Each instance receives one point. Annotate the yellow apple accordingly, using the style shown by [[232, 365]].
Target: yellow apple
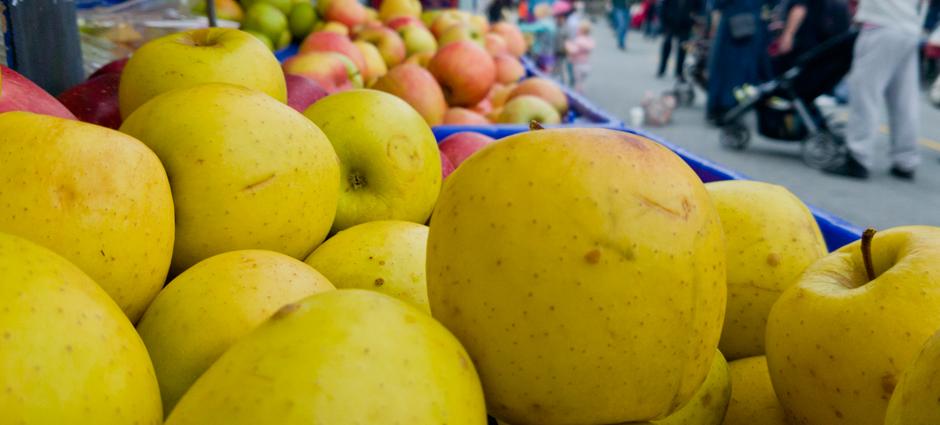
[[246, 171], [212, 305], [389, 163], [838, 340], [709, 403], [753, 400], [915, 400], [68, 355], [208, 55], [342, 357], [98, 197], [593, 298], [375, 66], [383, 256], [391, 9], [771, 239]]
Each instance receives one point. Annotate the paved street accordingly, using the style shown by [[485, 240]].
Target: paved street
[[620, 79]]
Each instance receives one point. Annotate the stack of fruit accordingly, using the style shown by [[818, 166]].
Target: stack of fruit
[[278, 22], [224, 258]]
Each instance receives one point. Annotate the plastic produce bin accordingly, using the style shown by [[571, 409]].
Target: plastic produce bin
[[835, 230]]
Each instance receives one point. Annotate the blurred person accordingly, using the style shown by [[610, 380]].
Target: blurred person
[[563, 12], [543, 31], [738, 53], [579, 50], [677, 18], [620, 12], [495, 10], [884, 72]]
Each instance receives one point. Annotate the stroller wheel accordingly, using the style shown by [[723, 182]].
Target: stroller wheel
[[735, 136], [822, 150], [685, 94]]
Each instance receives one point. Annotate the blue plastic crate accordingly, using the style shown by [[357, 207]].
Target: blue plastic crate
[[835, 230]]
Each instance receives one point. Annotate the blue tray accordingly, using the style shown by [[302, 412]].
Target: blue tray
[[835, 230]]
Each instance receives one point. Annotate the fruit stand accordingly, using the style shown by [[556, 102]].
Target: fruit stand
[[218, 230]]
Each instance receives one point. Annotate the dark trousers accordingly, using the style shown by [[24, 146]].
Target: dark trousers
[[680, 38]]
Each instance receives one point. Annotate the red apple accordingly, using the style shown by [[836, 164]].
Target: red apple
[[513, 37], [113, 67], [544, 88], [303, 92], [447, 167], [421, 59], [333, 71], [509, 70], [416, 86], [333, 42], [400, 22], [459, 146], [96, 100], [388, 42], [495, 44], [466, 72], [463, 116], [347, 12], [17, 93]]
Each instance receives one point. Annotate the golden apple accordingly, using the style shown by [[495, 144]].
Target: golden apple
[[68, 355], [771, 239], [375, 66], [915, 400], [98, 197], [709, 403], [753, 400], [214, 304], [574, 302], [383, 256], [391, 9], [342, 357], [190, 58], [246, 171], [838, 340], [389, 163]]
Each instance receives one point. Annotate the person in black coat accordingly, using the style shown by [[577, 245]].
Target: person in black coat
[[677, 18]]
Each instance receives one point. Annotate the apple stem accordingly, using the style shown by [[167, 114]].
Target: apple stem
[[867, 236], [535, 125]]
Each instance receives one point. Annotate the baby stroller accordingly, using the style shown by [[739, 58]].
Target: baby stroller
[[695, 70], [785, 106]]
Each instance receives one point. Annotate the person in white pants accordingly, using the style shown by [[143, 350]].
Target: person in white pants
[[884, 72]]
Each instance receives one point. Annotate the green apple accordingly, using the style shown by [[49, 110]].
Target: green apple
[[283, 5], [246, 171], [209, 55], [301, 20], [417, 40], [263, 38], [771, 239], [709, 403], [284, 41], [341, 357], [527, 108], [839, 339], [266, 19], [209, 307], [753, 400], [69, 355], [573, 301], [96, 196], [389, 161], [915, 400], [383, 256]]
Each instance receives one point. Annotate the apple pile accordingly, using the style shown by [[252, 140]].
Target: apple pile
[[450, 65], [225, 256]]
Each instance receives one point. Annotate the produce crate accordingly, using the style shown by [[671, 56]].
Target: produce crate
[[581, 111], [835, 230]]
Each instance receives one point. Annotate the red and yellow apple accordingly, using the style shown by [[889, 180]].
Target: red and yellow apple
[[388, 42], [17, 93], [513, 37], [416, 86], [463, 116], [527, 108], [334, 71], [466, 72], [509, 70], [332, 42], [303, 92], [459, 146], [544, 88], [495, 44]]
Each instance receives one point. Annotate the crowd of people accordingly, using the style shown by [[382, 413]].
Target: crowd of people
[[751, 41]]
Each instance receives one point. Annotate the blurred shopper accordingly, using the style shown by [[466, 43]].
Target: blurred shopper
[[738, 54], [543, 31], [884, 72], [495, 10], [677, 17], [563, 12], [620, 12], [579, 50]]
